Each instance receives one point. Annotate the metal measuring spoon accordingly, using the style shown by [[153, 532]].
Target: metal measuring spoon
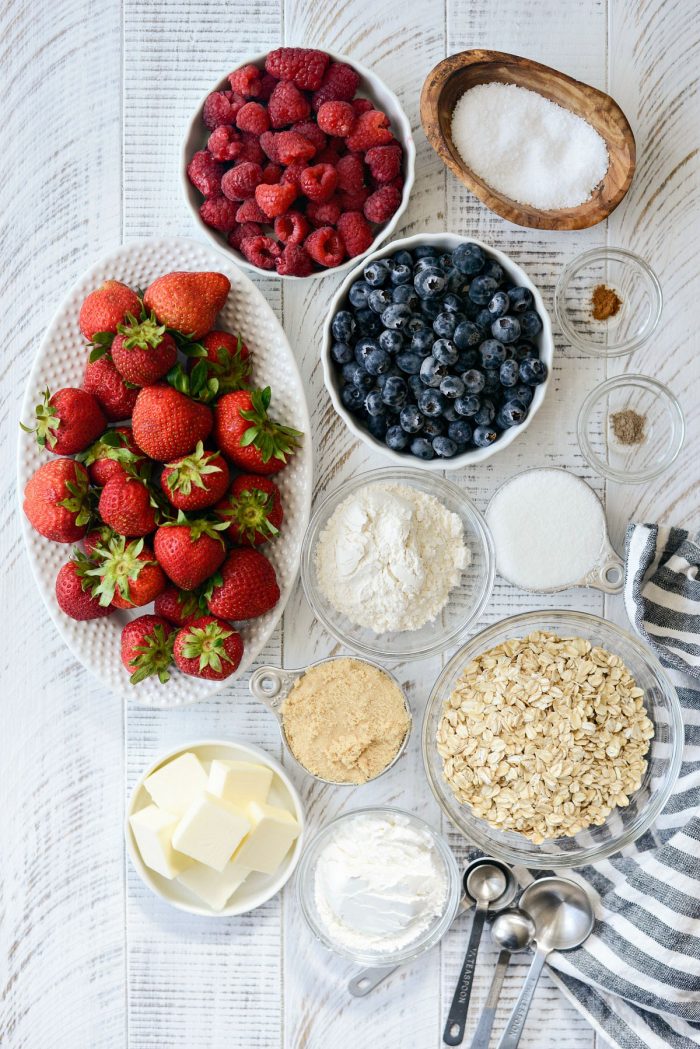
[[513, 931], [563, 917], [486, 884]]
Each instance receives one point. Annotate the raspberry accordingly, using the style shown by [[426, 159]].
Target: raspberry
[[351, 172], [326, 213], [292, 227], [205, 174], [245, 231], [336, 118], [261, 251], [353, 201], [293, 146], [328, 155], [356, 233], [247, 81], [220, 107], [339, 84], [275, 200], [304, 65], [325, 246], [251, 149], [382, 204], [268, 143], [239, 183], [397, 183], [294, 262], [319, 182], [287, 105], [311, 132], [249, 211], [371, 129], [253, 117], [272, 173], [361, 105], [219, 213], [292, 174], [224, 143], [384, 162], [267, 86]]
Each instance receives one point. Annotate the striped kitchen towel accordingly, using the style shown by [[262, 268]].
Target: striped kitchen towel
[[637, 978]]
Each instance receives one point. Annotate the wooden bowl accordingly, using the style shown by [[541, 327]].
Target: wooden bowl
[[448, 81]]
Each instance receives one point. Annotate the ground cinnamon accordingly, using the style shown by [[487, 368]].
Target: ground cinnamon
[[628, 426], [606, 302]]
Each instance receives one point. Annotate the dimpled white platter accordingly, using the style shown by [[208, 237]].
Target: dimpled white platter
[[60, 361]]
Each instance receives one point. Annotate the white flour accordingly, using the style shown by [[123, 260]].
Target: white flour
[[389, 556]]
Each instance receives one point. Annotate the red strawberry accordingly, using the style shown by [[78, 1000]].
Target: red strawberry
[[67, 422], [126, 572], [167, 424], [147, 648], [102, 535], [107, 386], [56, 501], [188, 302], [113, 454], [106, 307], [126, 505], [245, 433], [74, 590], [190, 551], [196, 481], [208, 648], [180, 607], [248, 587], [228, 359], [253, 509], [143, 351]]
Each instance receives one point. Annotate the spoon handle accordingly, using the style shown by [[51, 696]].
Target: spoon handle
[[457, 1016], [482, 1035], [516, 1023]]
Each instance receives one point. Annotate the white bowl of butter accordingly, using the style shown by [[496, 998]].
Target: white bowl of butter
[[215, 828]]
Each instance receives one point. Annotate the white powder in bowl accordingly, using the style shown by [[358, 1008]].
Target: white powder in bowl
[[528, 147], [548, 528]]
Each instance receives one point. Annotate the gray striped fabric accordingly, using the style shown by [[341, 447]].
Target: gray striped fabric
[[637, 978]]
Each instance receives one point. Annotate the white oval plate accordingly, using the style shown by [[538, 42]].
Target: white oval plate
[[60, 361]]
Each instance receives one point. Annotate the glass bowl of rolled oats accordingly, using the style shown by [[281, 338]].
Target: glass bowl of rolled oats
[[552, 738]]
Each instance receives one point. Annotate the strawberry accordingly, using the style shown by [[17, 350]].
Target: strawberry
[[227, 359], [143, 351], [247, 435], [196, 481], [167, 424], [74, 590], [126, 572], [127, 506], [180, 607], [147, 648], [208, 648], [107, 386], [248, 586], [106, 307], [114, 454], [253, 508], [57, 502], [68, 421], [99, 536], [188, 302], [190, 551]]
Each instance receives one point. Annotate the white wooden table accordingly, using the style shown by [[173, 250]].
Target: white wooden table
[[96, 97]]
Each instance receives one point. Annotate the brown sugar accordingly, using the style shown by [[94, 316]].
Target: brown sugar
[[605, 302], [628, 426]]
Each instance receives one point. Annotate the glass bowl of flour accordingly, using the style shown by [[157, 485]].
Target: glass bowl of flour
[[397, 564]]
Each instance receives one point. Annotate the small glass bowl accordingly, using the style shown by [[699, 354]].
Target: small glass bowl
[[664, 429], [636, 285], [465, 603], [306, 893], [624, 825]]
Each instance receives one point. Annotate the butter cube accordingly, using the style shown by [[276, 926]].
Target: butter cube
[[268, 843], [215, 888], [175, 785], [239, 782], [210, 831], [153, 829]]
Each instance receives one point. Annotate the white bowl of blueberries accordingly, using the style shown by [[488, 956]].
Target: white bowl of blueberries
[[437, 350]]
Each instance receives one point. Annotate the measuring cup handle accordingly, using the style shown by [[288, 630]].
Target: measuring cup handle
[[516, 1023], [610, 575], [270, 685]]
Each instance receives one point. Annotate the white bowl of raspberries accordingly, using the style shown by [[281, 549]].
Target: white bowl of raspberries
[[298, 163]]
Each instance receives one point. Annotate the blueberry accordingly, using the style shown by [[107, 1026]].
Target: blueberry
[[411, 419], [468, 258], [467, 406], [533, 371], [509, 373], [422, 448], [363, 348], [520, 299], [483, 321], [445, 351], [391, 341], [523, 349], [406, 294], [374, 403], [530, 324], [429, 283], [368, 322], [460, 432], [377, 426], [379, 299], [376, 273], [482, 289], [458, 286], [416, 323], [394, 392], [431, 402], [424, 251], [522, 393], [428, 263], [467, 359], [396, 316], [486, 413], [432, 372], [433, 426], [360, 378], [444, 447], [492, 353], [452, 386], [401, 274], [467, 335], [352, 397], [444, 325], [348, 370], [396, 438], [498, 306], [493, 270], [452, 303], [445, 260], [422, 341], [492, 382], [449, 414], [430, 308], [342, 353], [474, 380], [403, 258], [383, 379], [483, 436], [512, 413], [409, 363], [358, 294], [377, 361], [343, 326], [506, 329]]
